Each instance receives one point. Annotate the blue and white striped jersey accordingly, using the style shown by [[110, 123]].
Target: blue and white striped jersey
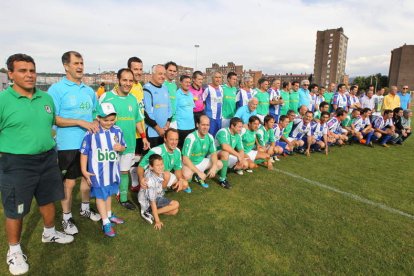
[[278, 132], [300, 130], [380, 123], [361, 123], [274, 95], [319, 130], [214, 101], [243, 97], [340, 100], [102, 158]]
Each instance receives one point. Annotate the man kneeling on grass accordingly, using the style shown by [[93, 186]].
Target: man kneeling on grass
[[152, 200], [231, 152], [249, 143]]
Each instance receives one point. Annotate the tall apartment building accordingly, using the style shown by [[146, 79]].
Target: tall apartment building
[[402, 67], [330, 56]]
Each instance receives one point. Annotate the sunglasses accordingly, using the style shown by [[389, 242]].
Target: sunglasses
[[405, 87]]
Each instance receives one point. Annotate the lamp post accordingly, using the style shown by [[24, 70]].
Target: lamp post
[[196, 46]]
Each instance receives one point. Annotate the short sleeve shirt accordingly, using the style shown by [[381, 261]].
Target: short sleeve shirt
[[197, 148], [224, 136], [171, 160]]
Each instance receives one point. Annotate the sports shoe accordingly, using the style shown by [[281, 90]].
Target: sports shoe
[[135, 189], [275, 158], [200, 181], [58, 237], [385, 145], [69, 227], [108, 230], [146, 215], [91, 214], [249, 170], [225, 184], [115, 219], [17, 263], [188, 190], [128, 205], [239, 172], [370, 144]]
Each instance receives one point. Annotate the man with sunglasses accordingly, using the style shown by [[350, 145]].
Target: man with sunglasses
[[304, 95], [405, 97]]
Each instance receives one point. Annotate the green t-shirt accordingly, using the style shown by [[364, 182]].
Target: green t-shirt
[[264, 136], [263, 106], [286, 102], [317, 114], [229, 101], [294, 101], [172, 92], [224, 136], [348, 121], [171, 160], [26, 124], [287, 130], [328, 98], [197, 148], [128, 114], [248, 139]]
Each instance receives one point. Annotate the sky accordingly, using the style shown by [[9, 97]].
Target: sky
[[272, 36]]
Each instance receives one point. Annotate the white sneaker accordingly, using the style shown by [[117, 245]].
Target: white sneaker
[[91, 213], [17, 263], [275, 158], [69, 227], [239, 172], [58, 237], [249, 170], [147, 216]]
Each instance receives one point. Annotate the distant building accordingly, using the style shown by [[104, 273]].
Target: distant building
[[256, 75], [4, 82], [231, 67], [330, 56], [402, 67], [289, 77]]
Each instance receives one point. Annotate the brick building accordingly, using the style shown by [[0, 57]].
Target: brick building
[[402, 67], [330, 56], [224, 69]]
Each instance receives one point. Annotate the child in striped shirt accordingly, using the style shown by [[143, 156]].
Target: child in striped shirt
[[99, 164]]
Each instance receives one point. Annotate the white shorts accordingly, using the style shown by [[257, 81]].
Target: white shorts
[[225, 122], [252, 154], [291, 139], [126, 161], [173, 179], [174, 125], [204, 165], [232, 159]]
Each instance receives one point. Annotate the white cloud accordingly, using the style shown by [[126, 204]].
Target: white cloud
[[273, 36]]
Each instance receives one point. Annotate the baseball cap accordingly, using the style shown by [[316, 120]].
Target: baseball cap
[[105, 109]]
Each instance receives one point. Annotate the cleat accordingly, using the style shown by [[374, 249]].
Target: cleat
[[108, 230], [225, 184], [147, 217], [91, 214], [115, 219]]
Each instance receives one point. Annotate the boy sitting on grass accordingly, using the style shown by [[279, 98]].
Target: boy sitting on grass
[[152, 199], [99, 164]]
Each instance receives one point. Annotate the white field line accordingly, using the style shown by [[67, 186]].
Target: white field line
[[350, 195]]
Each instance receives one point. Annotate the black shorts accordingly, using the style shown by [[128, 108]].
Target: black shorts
[[23, 177], [182, 134], [139, 147], [69, 164]]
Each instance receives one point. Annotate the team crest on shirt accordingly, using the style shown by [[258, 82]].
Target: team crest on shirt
[[130, 108], [48, 109]]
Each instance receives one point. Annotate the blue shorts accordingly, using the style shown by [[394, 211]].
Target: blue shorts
[[104, 192], [281, 144], [161, 202], [215, 126]]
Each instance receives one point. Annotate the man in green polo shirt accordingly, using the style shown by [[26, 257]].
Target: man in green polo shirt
[[285, 95], [200, 154], [229, 99], [171, 156], [264, 99], [28, 166], [294, 97]]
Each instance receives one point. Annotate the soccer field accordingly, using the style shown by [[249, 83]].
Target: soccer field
[[351, 212]]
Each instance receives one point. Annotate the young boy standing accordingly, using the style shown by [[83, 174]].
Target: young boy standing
[[152, 199], [99, 164]]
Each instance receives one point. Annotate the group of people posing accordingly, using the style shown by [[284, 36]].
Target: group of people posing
[[160, 135]]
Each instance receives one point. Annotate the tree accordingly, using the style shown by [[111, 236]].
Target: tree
[[377, 79]]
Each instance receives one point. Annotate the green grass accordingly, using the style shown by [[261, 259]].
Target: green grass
[[269, 223]]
